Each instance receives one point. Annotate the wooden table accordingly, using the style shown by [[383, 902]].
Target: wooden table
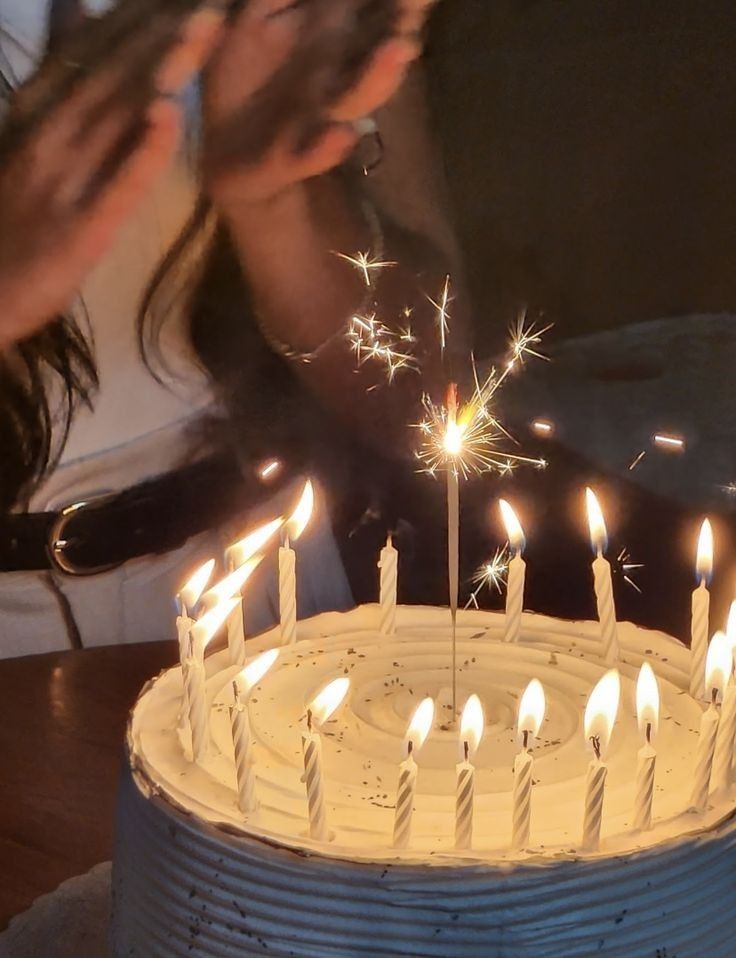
[[62, 718]]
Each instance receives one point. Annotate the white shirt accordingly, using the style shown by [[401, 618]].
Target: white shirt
[[137, 429]]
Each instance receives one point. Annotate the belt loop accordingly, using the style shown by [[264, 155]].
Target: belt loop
[[67, 613]]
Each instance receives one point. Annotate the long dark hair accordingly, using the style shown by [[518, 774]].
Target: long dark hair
[[264, 409], [43, 379]]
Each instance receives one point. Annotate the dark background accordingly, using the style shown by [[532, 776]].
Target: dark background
[[589, 148]]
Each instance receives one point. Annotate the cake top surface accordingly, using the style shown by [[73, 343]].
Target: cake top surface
[[363, 743]]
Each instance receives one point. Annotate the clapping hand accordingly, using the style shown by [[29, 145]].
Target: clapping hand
[[70, 178], [262, 45]]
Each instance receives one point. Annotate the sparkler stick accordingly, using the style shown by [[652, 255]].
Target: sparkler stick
[[453, 528]]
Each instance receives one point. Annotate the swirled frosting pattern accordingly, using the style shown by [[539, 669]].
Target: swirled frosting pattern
[[193, 876]]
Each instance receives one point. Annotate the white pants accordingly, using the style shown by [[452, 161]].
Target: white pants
[[135, 603]]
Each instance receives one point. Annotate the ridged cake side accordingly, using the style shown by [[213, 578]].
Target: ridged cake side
[[183, 889]]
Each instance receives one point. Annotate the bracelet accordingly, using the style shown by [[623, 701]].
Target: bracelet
[[377, 253]]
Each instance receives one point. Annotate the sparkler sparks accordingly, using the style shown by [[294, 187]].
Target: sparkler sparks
[[468, 439], [524, 342], [443, 313], [491, 575], [366, 264], [625, 567], [372, 339]]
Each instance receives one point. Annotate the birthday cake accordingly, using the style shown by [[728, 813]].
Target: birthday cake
[[196, 875]]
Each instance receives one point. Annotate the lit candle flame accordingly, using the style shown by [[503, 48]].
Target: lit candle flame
[[647, 701], [232, 584], [596, 523], [472, 725], [252, 674], [239, 552], [718, 665], [195, 586], [531, 709], [420, 726], [300, 517], [514, 530], [208, 625], [326, 702], [601, 710], [704, 562]]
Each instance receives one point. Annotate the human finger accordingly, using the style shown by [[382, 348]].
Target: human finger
[[130, 76], [127, 186], [380, 80], [330, 150], [199, 38], [413, 14], [258, 42]]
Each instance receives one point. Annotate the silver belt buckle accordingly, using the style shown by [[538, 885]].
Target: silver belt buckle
[[57, 543]]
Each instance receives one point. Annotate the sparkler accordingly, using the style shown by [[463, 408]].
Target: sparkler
[[625, 567], [366, 264], [491, 575], [474, 433], [371, 339], [443, 314], [466, 439], [524, 341]]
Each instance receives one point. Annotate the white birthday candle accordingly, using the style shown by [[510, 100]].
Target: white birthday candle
[[320, 710], [199, 637], [416, 735], [647, 711], [389, 566], [237, 555], [516, 573], [600, 715], [602, 580], [472, 726], [699, 629], [287, 564], [718, 664], [726, 738], [245, 770], [531, 714]]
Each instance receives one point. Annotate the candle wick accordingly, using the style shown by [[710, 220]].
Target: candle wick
[[309, 719], [649, 733], [714, 696], [526, 738], [287, 542], [596, 742], [389, 540], [467, 750], [409, 747]]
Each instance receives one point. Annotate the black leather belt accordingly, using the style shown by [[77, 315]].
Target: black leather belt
[[102, 532]]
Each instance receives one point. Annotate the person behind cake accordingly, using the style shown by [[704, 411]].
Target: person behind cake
[[82, 415]]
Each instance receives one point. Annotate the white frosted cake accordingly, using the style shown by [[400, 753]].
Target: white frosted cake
[[194, 876]]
